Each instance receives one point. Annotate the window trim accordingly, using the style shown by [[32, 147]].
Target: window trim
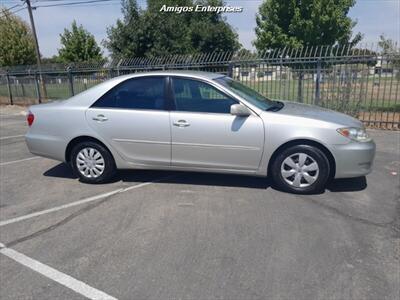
[[165, 95], [173, 99]]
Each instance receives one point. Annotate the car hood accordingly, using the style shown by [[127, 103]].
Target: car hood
[[318, 113]]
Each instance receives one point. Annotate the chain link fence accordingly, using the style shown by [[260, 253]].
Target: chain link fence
[[361, 82]]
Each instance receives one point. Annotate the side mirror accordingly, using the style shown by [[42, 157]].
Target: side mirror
[[240, 110]]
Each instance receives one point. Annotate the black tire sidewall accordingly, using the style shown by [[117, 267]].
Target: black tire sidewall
[[317, 155], [109, 170]]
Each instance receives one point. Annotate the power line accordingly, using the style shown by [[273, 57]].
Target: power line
[[10, 8], [73, 3], [69, 1], [93, 5], [86, 3], [11, 12]]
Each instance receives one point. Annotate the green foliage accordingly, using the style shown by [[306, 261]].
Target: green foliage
[[388, 46], [246, 54], [149, 33], [50, 60], [17, 46], [297, 23], [78, 45]]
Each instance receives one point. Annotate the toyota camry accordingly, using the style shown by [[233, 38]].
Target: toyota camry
[[198, 121]]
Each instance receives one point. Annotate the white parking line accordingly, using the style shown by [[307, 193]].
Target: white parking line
[[11, 123], [79, 202], [57, 276], [11, 136], [22, 113], [17, 161]]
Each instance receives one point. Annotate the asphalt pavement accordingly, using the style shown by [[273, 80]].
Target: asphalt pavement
[[180, 235]]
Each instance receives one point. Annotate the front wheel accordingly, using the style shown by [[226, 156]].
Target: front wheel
[[92, 163], [301, 169]]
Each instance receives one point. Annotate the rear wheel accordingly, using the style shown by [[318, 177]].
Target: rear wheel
[[92, 162], [301, 169]]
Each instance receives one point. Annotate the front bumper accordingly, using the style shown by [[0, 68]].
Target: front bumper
[[353, 159]]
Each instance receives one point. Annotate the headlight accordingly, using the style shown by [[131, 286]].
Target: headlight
[[355, 134]]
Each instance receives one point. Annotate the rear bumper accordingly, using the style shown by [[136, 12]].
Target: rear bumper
[[46, 146], [354, 159]]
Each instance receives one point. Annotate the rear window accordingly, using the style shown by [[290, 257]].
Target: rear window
[[135, 93]]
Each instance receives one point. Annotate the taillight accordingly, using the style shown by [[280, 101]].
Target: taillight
[[30, 118]]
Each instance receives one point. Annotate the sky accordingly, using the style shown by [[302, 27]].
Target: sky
[[374, 17]]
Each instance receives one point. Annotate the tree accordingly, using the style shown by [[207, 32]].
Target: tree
[[50, 60], [122, 41], [392, 53], [17, 46], [210, 32], [299, 23], [151, 32], [78, 45], [388, 46]]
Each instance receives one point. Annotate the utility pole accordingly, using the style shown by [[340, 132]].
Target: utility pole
[[39, 62]]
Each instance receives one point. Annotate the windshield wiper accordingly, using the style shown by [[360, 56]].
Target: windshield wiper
[[276, 106]]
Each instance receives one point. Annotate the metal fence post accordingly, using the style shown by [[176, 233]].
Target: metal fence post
[[118, 66], [9, 89], [318, 83], [23, 89], [71, 81], [230, 70], [38, 88], [300, 86]]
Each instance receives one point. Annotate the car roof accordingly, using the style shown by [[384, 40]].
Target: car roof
[[184, 73]]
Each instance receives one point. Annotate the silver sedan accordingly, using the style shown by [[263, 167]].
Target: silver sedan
[[198, 121]]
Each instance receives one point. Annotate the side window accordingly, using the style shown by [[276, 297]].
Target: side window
[[136, 93], [196, 96]]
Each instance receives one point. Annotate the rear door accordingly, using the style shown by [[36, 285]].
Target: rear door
[[206, 135], [133, 118]]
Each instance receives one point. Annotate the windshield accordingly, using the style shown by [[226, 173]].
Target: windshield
[[246, 93]]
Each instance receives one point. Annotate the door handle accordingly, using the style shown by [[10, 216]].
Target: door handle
[[100, 118], [181, 123]]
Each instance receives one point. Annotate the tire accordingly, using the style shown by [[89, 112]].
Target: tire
[[301, 169], [92, 162]]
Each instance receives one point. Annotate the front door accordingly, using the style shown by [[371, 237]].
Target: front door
[[133, 118], [204, 133]]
